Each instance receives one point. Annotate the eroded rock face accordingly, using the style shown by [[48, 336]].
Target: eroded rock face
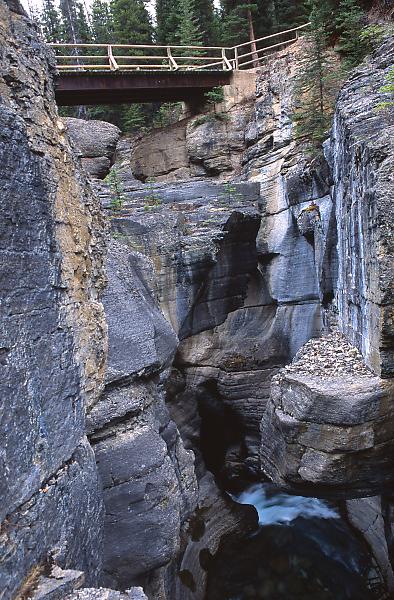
[[329, 432], [209, 145], [53, 333], [95, 143], [328, 425], [148, 476], [362, 156]]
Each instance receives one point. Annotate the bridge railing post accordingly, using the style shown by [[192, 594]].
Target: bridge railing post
[[236, 59], [113, 65], [226, 63], [173, 64]]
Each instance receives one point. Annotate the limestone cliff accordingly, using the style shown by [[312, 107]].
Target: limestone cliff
[[53, 332], [361, 157], [216, 281]]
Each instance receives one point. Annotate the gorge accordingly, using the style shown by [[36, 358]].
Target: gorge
[[181, 340]]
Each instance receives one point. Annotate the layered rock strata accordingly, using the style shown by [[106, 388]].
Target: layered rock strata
[[148, 478], [53, 333], [328, 429], [362, 157]]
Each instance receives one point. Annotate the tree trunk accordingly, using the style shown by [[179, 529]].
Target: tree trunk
[[253, 48]]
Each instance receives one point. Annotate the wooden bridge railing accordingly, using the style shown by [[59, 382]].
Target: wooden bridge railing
[[140, 57]]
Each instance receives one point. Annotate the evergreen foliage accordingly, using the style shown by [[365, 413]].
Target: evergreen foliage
[[349, 25], [167, 12], [286, 14], [188, 32], [319, 81], [51, 22], [102, 26], [131, 22]]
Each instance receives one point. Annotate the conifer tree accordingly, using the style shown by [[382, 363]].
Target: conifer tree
[[101, 22], [131, 22], [167, 16], [74, 21], [50, 22], [349, 23], [188, 32], [319, 81], [206, 19], [286, 14]]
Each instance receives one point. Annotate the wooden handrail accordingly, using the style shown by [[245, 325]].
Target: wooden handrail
[[268, 37], [228, 58]]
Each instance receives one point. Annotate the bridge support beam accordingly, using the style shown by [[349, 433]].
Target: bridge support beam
[[85, 87]]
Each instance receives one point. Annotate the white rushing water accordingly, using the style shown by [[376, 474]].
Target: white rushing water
[[277, 507]]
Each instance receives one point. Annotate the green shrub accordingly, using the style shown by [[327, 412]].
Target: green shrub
[[215, 95], [116, 188]]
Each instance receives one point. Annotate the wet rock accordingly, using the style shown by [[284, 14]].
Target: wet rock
[[106, 594], [363, 161], [373, 519]]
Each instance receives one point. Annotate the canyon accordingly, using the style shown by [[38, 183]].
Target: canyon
[[176, 328]]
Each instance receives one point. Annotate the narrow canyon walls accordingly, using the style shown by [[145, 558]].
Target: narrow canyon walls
[[362, 157], [52, 329]]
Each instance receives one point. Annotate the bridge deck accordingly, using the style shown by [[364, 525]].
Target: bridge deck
[[117, 87], [124, 73]]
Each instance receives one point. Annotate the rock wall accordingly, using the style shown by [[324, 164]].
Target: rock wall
[[362, 159], [148, 477], [53, 333], [327, 429], [210, 144]]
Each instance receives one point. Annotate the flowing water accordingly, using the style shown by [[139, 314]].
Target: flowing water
[[302, 550], [274, 507]]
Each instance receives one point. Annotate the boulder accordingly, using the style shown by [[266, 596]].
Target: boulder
[[95, 143]]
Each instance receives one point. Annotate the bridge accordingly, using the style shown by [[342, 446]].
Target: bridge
[[127, 73]]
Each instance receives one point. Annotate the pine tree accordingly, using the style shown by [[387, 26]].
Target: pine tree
[[167, 17], [82, 24], [50, 22], [206, 19], [188, 32], [352, 47], [131, 22], [68, 10], [286, 14], [101, 22], [319, 81]]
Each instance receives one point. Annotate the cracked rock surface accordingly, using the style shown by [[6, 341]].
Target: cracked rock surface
[[52, 327]]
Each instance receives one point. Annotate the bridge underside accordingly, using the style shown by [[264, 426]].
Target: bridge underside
[[72, 89]]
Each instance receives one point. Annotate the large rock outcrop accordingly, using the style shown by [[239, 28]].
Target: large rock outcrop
[[362, 157], [330, 431], [53, 332], [148, 476], [210, 144], [328, 428]]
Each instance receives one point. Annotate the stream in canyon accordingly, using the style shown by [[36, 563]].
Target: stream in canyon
[[303, 549]]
